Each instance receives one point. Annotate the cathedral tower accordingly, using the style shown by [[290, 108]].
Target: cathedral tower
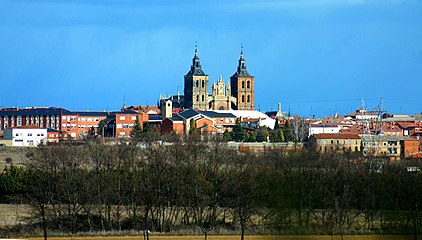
[[242, 86], [196, 85]]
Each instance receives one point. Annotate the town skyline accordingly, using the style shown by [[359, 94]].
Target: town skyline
[[315, 57]]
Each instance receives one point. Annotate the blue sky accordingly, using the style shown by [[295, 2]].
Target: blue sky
[[315, 56]]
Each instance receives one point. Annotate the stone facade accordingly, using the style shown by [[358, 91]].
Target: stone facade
[[221, 98]]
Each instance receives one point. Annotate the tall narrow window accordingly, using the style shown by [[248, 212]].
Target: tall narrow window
[[203, 83], [203, 98], [248, 84], [196, 83], [249, 98], [197, 97], [243, 98], [243, 84]]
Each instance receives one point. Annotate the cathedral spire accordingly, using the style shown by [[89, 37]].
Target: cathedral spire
[[196, 68], [241, 68]]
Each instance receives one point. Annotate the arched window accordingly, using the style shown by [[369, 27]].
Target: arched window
[[249, 98], [203, 83], [203, 98], [248, 84], [197, 97], [243, 84], [243, 98], [196, 83]]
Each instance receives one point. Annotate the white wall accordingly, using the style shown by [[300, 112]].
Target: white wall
[[26, 137], [323, 129]]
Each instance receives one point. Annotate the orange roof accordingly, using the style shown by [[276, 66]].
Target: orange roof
[[336, 136]]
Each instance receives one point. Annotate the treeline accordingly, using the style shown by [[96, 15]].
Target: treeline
[[206, 186]]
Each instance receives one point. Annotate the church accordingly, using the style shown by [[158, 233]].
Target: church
[[238, 94]]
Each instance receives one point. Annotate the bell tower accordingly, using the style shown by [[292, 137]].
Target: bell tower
[[196, 85], [242, 86]]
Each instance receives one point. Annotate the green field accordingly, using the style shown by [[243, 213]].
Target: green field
[[307, 237]]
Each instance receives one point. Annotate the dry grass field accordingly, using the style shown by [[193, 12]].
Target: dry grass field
[[13, 214], [16, 154], [236, 237]]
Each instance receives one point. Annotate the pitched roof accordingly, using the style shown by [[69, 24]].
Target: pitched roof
[[34, 111], [189, 113], [336, 136], [91, 114], [213, 114]]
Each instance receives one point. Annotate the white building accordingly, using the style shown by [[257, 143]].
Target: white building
[[323, 128], [253, 115], [25, 136]]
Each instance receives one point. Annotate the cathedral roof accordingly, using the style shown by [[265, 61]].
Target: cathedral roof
[[196, 68], [241, 68]]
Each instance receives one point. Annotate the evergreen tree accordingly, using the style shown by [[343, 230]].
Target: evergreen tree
[[287, 132], [226, 136], [136, 133], [276, 125], [280, 136], [238, 134], [192, 127], [252, 137], [101, 127]]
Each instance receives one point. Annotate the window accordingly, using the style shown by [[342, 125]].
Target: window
[[243, 98], [203, 98], [248, 84], [197, 97], [203, 83], [134, 118], [243, 84], [196, 83], [29, 134], [122, 118], [249, 98]]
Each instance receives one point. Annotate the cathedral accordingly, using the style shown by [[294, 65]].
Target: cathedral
[[236, 95]]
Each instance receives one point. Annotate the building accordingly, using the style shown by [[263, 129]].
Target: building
[[221, 98], [89, 121], [26, 136], [392, 147], [319, 128], [196, 85], [238, 94], [242, 86], [173, 125], [325, 142]]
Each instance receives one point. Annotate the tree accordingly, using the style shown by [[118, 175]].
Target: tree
[[192, 127], [280, 135], [276, 125], [136, 133], [299, 129], [226, 136], [238, 135], [287, 132], [101, 126]]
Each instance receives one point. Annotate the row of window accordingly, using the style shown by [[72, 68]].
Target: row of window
[[248, 98], [248, 84], [338, 141], [30, 134], [197, 98], [197, 82]]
